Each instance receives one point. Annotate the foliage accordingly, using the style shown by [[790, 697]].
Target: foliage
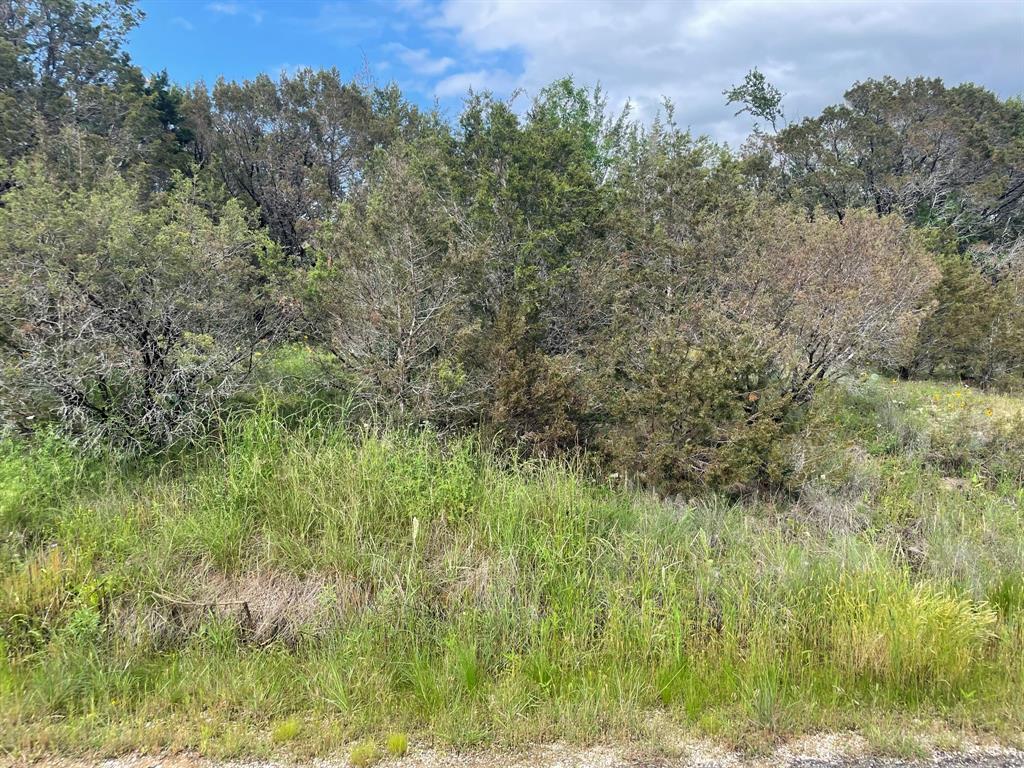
[[687, 412], [948, 159], [388, 295], [127, 323], [71, 94], [758, 96], [931, 153], [294, 146], [826, 294], [546, 423], [975, 329], [564, 278]]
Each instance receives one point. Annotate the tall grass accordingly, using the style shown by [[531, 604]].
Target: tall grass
[[379, 580]]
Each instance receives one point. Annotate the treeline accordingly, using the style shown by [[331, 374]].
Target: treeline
[[558, 276]]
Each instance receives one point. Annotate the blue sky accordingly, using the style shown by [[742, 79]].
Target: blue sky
[[641, 50], [401, 41]]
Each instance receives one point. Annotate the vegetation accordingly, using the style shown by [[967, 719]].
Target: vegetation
[[321, 417], [315, 583], [129, 325]]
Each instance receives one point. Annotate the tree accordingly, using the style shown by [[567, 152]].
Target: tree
[[930, 153], [759, 98], [975, 329], [128, 323], [387, 294], [824, 295], [532, 207], [71, 95], [728, 316], [71, 47], [17, 131], [295, 146]]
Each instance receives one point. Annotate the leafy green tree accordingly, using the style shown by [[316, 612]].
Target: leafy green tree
[[931, 153], [72, 48], [758, 97], [17, 131], [72, 95], [534, 204], [975, 328]]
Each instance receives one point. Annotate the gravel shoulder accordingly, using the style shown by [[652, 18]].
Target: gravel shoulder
[[826, 751]]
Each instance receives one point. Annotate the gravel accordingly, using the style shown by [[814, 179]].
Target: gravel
[[826, 751]]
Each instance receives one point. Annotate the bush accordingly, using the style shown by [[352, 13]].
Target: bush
[[536, 402], [127, 323], [824, 295], [707, 393], [684, 416], [387, 299], [975, 329]]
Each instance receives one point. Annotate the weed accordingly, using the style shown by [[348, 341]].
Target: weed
[[392, 581], [895, 742], [363, 755], [397, 744], [286, 730]]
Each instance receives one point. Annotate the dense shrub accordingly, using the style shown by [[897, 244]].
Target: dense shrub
[[686, 414], [974, 330], [387, 299], [825, 294], [127, 322], [707, 394]]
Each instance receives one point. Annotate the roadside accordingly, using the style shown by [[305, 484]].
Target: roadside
[[823, 751]]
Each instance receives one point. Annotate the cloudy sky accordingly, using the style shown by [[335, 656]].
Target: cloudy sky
[[642, 50]]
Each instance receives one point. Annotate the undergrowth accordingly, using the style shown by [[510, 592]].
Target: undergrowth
[[308, 584]]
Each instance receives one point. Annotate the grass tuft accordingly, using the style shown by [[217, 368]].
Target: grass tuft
[[363, 755], [286, 730], [397, 744]]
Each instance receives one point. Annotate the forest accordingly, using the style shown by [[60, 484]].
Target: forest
[[330, 422]]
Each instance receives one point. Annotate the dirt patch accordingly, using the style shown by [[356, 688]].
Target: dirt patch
[[265, 606]]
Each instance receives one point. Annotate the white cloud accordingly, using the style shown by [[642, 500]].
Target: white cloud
[[235, 9], [420, 60], [691, 51], [228, 9], [497, 80]]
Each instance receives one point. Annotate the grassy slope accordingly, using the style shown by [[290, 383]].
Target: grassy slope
[[300, 587]]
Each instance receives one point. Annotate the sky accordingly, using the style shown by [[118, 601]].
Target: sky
[[638, 50]]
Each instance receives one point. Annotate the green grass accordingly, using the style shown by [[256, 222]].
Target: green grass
[[286, 730], [397, 744], [307, 585], [363, 755]]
